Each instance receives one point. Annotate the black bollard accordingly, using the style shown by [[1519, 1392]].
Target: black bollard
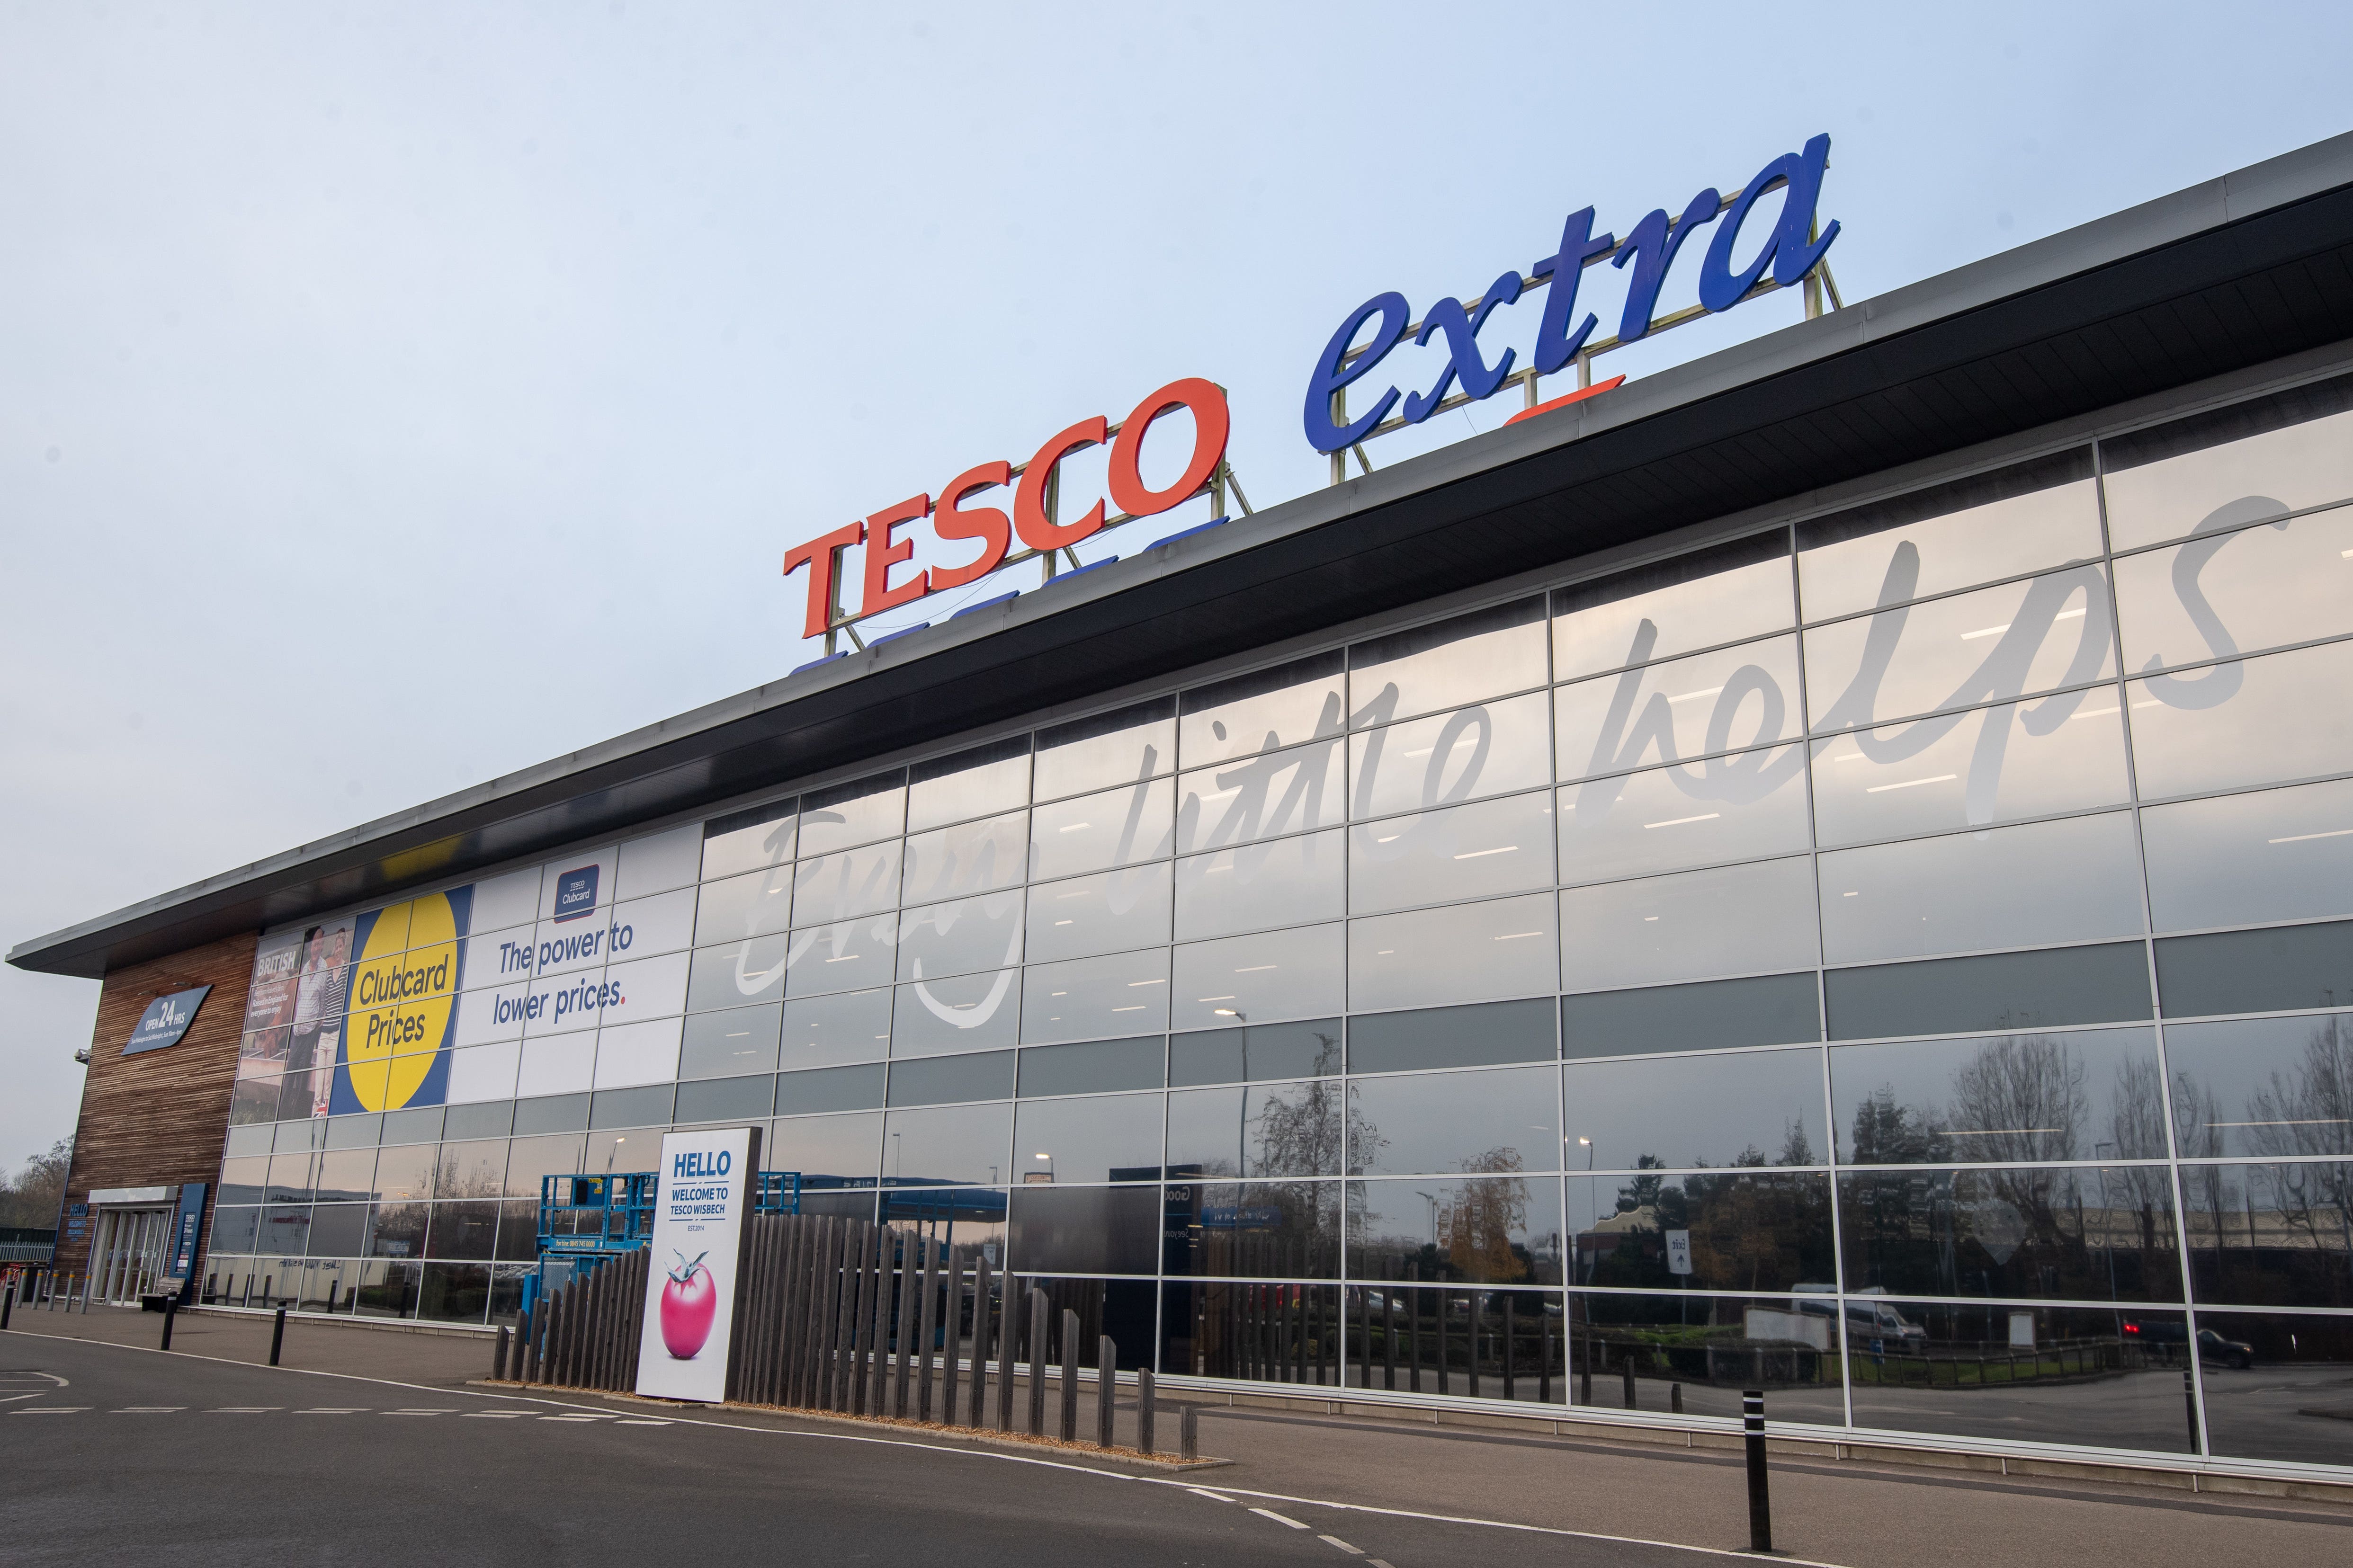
[[170, 1311], [1761, 1499], [276, 1336], [1144, 1409], [1188, 1434], [1106, 1389], [499, 1357], [7, 1305]]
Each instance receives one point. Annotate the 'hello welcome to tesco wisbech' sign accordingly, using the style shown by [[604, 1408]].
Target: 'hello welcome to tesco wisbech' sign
[[1788, 253]]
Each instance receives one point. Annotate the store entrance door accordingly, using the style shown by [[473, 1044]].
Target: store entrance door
[[131, 1246]]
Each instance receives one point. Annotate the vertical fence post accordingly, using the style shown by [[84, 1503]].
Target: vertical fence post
[[1144, 1410], [903, 1336], [861, 1316], [499, 1357], [1070, 1424], [276, 1336], [951, 1336], [1008, 1348], [1188, 1434], [978, 1399], [1037, 1311], [1106, 1389], [927, 1324], [1760, 1500]]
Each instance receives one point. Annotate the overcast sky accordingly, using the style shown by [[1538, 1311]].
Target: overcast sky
[[392, 396]]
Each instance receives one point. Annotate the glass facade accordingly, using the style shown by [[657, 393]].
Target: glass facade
[[1901, 958]]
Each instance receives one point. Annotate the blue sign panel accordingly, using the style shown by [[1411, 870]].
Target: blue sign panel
[[166, 1019], [190, 1221], [576, 893]]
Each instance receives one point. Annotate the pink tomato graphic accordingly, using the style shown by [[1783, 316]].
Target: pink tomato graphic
[[689, 1304]]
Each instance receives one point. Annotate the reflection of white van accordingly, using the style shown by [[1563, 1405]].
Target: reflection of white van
[[1865, 1320]]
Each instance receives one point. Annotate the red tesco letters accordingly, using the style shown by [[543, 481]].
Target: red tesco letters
[[991, 528]]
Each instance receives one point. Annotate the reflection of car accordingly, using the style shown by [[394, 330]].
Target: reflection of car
[[1865, 1319], [2211, 1346]]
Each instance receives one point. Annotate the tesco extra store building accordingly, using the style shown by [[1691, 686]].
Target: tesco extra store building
[[1828, 868]]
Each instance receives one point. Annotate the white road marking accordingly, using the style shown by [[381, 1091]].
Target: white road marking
[[1336, 1540], [242, 1409], [451, 1411], [1377, 1562], [640, 1421], [494, 1415], [149, 1409], [1269, 1513], [50, 1410], [12, 1399], [335, 1410], [1213, 1497], [576, 1418]]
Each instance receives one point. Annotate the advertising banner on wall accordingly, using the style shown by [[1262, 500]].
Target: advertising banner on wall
[[701, 1207]]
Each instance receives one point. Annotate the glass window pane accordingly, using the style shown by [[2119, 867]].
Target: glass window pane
[[2041, 514], [1737, 1108], [1694, 601], [1428, 669], [2095, 1095], [970, 858], [1108, 749], [1463, 952], [1261, 711], [1101, 913], [1279, 974], [852, 814], [1998, 991], [2237, 859], [2287, 968], [737, 974], [1117, 827], [1097, 1066], [1256, 1130], [529, 1161], [2257, 1365], [853, 882], [1282, 792], [747, 840], [1500, 1120], [1481, 1035], [1966, 770], [2274, 1235], [1766, 1230], [1734, 919], [818, 1031], [1290, 881], [1472, 851], [348, 1175], [830, 1089], [1745, 696], [947, 1145], [1992, 644], [1501, 1228], [828, 1151], [1494, 748], [2238, 591], [2258, 459], [1085, 1230], [848, 956], [986, 779], [966, 1013], [2267, 1087], [2101, 1376], [1096, 998], [2012, 887], [1710, 1350], [2258, 720], [1278, 1230], [475, 1170], [246, 1180], [1097, 1138], [2028, 1232], [961, 936], [726, 1098], [941, 1080], [1727, 808], [1716, 1015], [1306, 1049]]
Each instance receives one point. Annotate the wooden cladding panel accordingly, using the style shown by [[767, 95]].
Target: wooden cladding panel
[[159, 1118]]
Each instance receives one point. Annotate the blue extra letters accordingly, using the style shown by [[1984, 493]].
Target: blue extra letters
[[1791, 251]]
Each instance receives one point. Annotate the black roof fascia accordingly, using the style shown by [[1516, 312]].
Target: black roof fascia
[[2231, 273]]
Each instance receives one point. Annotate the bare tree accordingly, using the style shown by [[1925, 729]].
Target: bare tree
[[30, 1198]]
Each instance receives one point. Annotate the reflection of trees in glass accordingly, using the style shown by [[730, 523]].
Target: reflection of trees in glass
[[2308, 1109], [2137, 1125], [1751, 1228], [1889, 1134], [1476, 1225], [2018, 1100], [1303, 1129], [2314, 1209]]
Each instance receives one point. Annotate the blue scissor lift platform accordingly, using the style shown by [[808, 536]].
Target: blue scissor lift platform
[[585, 1221]]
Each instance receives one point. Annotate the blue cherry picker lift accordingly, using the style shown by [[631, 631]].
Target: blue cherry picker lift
[[585, 1221]]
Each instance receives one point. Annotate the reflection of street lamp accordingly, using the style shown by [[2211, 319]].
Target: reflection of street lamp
[[1588, 1152], [1433, 1216], [609, 1153], [1036, 1177]]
